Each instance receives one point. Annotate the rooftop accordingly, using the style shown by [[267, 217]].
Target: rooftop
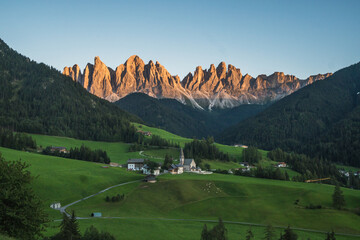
[[136, 160]]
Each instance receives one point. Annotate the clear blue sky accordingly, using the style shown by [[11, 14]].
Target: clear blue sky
[[295, 37]]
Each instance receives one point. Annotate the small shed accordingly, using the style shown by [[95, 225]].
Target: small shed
[[150, 179], [96, 214]]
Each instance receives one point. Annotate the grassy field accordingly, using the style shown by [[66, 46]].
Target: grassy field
[[235, 152], [348, 168], [117, 151], [176, 230], [67, 180], [221, 165], [187, 196], [234, 198]]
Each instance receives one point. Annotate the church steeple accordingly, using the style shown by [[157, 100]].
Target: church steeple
[[182, 158]]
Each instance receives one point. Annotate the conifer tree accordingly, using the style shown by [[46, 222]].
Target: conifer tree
[[269, 232], [338, 198]]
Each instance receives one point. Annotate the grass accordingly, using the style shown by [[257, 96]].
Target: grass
[[235, 152], [234, 198], [175, 230], [164, 134], [117, 151], [221, 165], [186, 196], [67, 180], [348, 168]]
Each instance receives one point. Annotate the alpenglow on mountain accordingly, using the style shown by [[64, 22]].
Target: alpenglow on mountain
[[222, 86]]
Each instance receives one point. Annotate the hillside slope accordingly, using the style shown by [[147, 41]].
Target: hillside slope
[[184, 120], [320, 119], [36, 98]]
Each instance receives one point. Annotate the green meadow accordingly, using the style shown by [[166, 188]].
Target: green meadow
[[177, 230], [67, 180], [233, 198], [235, 152], [190, 197]]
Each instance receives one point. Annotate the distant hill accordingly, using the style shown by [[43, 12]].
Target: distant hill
[[321, 119], [184, 120], [36, 98]]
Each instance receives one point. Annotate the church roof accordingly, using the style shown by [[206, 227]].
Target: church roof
[[188, 161]]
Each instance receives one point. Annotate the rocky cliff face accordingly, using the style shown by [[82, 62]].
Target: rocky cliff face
[[223, 86]]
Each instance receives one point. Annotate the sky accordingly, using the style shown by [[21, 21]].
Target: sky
[[301, 38]]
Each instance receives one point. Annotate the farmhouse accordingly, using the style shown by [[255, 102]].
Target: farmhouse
[[113, 164], [150, 178], [58, 149], [145, 133], [240, 145], [189, 165], [147, 171], [280, 164], [176, 169], [244, 164], [55, 205], [135, 164]]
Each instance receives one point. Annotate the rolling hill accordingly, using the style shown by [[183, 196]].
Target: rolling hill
[[321, 119]]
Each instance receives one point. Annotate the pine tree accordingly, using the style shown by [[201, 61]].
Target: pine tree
[[289, 234], [21, 212], [219, 232], [269, 232], [338, 198], [330, 236], [69, 228], [205, 233], [249, 234]]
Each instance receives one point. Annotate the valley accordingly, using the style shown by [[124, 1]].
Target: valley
[[185, 201]]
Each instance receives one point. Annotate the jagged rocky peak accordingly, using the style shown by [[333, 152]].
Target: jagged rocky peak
[[221, 86], [74, 72]]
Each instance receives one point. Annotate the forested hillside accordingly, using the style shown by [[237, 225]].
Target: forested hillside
[[185, 120], [322, 119], [36, 98]]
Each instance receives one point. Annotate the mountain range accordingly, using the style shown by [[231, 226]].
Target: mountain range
[[217, 87]]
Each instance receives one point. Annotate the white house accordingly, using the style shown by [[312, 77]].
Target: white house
[[280, 164], [147, 171], [56, 205], [135, 164]]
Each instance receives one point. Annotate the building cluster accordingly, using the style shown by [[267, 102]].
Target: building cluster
[[58, 149], [184, 165], [240, 145], [145, 133]]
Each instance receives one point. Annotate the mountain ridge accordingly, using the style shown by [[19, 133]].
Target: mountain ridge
[[221, 87]]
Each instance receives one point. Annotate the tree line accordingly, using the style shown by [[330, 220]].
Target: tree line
[[69, 230], [205, 149], [18, 141], [154, 140], [83, 153], [219, 232]]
